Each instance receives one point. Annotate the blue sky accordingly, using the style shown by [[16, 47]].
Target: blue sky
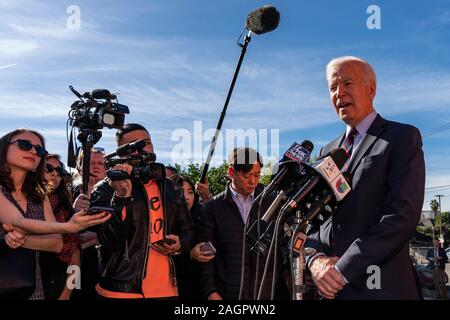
[[172, 62]]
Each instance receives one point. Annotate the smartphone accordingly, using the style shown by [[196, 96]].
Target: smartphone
[[164, 241], [208, 249], [98, 209]]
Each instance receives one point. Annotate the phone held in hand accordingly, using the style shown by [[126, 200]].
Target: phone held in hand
[[98, 209], [208, 249], [165, 241]]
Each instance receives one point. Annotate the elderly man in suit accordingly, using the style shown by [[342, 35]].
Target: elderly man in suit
[[362, 250]]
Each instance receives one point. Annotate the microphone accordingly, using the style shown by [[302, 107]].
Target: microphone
[[326, 169], [128, 148], [322, 182], [296, 154], [258, 242], [262, 20]]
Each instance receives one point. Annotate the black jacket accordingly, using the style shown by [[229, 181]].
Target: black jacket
[[124, 244], [372, 226], [222, 224]]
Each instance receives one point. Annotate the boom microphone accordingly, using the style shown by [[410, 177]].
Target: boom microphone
[[262, 20]]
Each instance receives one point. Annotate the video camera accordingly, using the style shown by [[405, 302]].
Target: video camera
[[144, 166], [91, 113], [97, 111]]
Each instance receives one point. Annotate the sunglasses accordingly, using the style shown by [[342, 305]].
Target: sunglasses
[[49, 169], [26, 145]]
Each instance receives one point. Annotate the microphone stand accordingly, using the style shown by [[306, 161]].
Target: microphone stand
[[244, 45], [298, 239], [298, 264], [88, 139]]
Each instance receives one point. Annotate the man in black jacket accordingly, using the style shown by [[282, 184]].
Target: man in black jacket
[[362, 250], [134, 265], [222, 222]]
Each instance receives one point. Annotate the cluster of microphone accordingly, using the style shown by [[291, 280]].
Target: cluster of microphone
[[310, 188]]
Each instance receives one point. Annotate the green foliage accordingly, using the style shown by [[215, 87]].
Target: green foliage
[[217, 176], [437, 224], [265, 179], [434, 205]]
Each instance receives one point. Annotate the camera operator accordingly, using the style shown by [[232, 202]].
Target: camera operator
[[135, 267]]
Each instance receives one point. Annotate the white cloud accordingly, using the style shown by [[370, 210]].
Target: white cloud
[[47, 31], [34, 105], [439, 19], [16, 47], [8, 66]]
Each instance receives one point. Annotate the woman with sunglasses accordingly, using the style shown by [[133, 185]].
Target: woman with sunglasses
[[54, 265], [24, 204], [22, 181]]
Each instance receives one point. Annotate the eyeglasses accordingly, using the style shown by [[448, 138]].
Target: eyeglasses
[[61, 172], [26, 145]]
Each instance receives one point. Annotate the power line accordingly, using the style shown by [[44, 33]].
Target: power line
[[437, 130], [438, 187], [444, 126]]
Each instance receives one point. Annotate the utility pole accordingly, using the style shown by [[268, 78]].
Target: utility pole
[[440, 215]]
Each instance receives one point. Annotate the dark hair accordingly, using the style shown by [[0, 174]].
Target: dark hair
[[62, 192], [242, 159], [128, 128], [195, 210], [173, 169], [33, 187]]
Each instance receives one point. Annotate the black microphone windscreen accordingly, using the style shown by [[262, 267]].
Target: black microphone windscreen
[[140, 144], [308, 145], [100, 94], [262, 20]]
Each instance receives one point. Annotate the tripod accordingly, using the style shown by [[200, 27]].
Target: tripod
[[88, 138]]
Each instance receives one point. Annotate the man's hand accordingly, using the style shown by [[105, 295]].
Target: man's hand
[[328, 280], [198, 255], [123, 188], [82, 202], [168, 249], [203, 190]]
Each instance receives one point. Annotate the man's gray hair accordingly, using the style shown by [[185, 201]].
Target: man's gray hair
[[367, 69]]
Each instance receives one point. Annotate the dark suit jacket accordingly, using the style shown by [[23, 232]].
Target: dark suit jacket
[[374, 223], [221, 223]]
